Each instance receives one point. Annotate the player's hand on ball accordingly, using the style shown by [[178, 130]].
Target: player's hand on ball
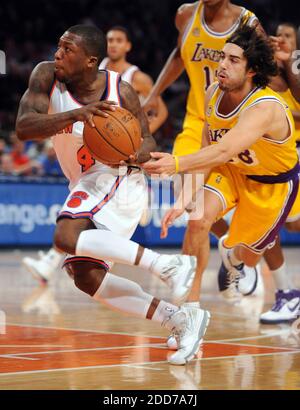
[[132, 160], [164, 164], [168, 220], [86, 113]]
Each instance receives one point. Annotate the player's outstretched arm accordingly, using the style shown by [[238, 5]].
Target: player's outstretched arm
[[131, 102], [34, 122], [174, 66], [254, 123]]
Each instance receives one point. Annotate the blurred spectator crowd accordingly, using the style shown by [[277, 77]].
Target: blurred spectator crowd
[[29, 33], [28, 158]]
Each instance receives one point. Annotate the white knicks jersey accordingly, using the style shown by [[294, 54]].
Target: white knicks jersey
[[74, 158], [127, 75]]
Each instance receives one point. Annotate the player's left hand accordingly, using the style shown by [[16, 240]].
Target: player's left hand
[[169, 219], [164, 164], [282, 48]]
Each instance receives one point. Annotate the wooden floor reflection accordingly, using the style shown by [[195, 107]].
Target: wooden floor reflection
[[57, 338]]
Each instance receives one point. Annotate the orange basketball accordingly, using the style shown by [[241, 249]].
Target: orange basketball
[[114, 138]]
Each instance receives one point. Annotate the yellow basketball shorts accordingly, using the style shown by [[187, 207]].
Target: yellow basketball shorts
[[261, 209], [190, 139], [294, 215]]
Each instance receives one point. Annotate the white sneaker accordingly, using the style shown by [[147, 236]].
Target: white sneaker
[[45, 267], [251, 282], [171, 341], [189, 326], [285, 309], [228, 275], [178, 272]]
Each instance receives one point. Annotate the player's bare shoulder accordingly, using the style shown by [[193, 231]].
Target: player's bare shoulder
[[42, 77], [184, 14], [141, 82]]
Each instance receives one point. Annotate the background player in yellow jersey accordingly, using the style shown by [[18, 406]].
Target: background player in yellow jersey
[[203, 28], [118, 46], [244, 120]]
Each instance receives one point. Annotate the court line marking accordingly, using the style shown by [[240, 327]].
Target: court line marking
[[143, 363], [144, 367], [12, 356], [252, 345], [147, 345], [157, 346], [275, 333], [87, 330], [35, 345]]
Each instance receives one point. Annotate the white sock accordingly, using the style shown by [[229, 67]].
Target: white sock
[[148, 258], [164, 311], [128, 297], [106, 245], [233, 259], [280, 277], [53, 257]]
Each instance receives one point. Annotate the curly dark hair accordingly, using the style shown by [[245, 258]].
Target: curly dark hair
[[258, 52]]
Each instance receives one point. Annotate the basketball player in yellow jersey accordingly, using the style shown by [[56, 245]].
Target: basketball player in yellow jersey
[[118, 46], [203, 28], [244, 120], [280, 312]]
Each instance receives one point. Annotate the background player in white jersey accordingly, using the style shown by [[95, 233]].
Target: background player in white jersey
[[118, 46], [93, 227]]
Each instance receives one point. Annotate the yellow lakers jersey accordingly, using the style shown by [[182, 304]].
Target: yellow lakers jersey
[[200, 51], [294, 106], [265, 156]]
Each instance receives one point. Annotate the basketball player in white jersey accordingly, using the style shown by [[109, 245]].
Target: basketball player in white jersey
[[118, 45], [105, 204]]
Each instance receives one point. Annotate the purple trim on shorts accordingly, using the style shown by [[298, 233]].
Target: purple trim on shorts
[[274, 231], [277, 179]]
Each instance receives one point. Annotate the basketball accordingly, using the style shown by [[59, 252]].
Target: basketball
[[114, 138]]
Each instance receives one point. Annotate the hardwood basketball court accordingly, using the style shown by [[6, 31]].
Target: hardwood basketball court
[[57, 338]]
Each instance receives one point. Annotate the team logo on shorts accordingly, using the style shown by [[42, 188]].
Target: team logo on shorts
[[219, 179], [76, 199]]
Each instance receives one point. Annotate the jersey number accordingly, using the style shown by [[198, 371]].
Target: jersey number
[[208, 76], [247, 157], [85, 159]]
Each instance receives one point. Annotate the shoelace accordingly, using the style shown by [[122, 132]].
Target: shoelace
[[232, 280], [280, 301], [179, 333]]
